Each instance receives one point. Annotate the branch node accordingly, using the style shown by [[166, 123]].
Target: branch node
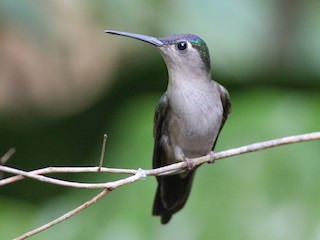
[[212, 157], [142, 173]]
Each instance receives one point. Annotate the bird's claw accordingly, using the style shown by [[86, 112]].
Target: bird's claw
[[212, 157], [190, 163]]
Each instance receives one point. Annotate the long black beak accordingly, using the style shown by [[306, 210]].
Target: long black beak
[[148, 39]]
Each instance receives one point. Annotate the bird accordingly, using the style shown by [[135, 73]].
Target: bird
[[188, 117]]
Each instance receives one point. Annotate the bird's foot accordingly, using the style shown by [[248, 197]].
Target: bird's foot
[[190, 163], [212, 157]]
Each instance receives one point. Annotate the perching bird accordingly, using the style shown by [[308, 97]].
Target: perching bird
[[188, 117]]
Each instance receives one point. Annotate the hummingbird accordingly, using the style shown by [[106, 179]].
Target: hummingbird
[[188, 118]]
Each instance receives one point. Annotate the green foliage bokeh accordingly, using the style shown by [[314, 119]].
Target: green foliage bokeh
[[271, 70]]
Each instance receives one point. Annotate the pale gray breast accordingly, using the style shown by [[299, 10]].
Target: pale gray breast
[[196, 116]]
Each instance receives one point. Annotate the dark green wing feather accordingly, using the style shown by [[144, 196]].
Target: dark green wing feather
[[173, 191], [159, 117], [226, 105]]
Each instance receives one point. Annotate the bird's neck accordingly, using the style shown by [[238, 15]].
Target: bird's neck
[[188, 77]]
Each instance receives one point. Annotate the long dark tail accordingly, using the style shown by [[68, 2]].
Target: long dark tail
[[172, 194]]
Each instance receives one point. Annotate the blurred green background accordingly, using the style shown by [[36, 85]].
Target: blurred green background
[[64, 83]]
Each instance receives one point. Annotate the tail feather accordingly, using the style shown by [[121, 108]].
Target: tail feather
[[172, 194]]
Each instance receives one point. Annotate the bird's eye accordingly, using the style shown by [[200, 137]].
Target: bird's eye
[[182, 46]]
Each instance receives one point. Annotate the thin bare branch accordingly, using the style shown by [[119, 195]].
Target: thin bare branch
[[170, 169], [7, 156], [235, 151], [137, 174], [65, 216], [36, 174], [103, 150]]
